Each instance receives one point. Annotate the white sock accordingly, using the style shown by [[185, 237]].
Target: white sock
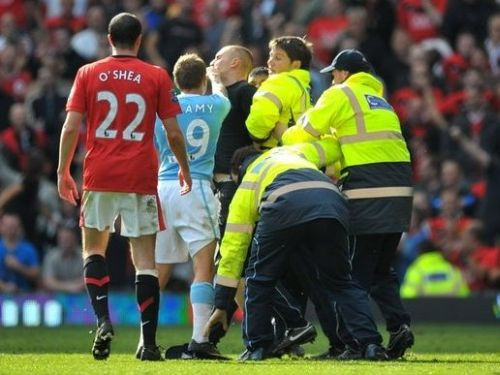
[[202, 301]]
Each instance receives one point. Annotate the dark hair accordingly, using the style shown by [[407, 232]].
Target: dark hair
[[242, 158], [189, 71], [297, 49], [259, 70], [124, 29]]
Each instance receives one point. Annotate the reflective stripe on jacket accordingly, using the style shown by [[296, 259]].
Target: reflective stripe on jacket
[[376, 172], [277, 104], [430, 275]]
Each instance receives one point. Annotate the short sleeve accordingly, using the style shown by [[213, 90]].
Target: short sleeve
[[76, 99], [168, 104], [223, 104]]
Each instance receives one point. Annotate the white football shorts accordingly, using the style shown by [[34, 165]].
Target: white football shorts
[[140, 213], [191, 220]]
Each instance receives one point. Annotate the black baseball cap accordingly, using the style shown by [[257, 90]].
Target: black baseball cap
[[351, 60]]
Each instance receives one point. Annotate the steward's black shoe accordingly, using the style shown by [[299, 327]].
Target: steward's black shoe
[[150, 353], [102, 341], [204, 350], [178, 352], [258, 354], [350, 355], [295, 336], [331, 353], [374, 352], [399, 341]]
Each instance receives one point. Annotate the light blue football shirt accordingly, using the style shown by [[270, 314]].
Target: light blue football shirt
[[200, 122]]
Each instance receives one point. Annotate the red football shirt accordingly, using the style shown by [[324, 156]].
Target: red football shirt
[[412, 18], [121, 97]]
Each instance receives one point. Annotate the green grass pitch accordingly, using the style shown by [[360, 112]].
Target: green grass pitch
[[439, 349]]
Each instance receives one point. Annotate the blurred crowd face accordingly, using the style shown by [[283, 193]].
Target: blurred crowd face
[[472, 78], [494, 29], [17, 116], [450, 204], [357, 22], [67, 240], [417, 55], [8, 26], [10, 227], [473, 98], [8, 57], [62, 39], [465, 44], [67, 8], [451, 174], [400, 43], [419, 76], [278, 61], [46, 78], [333, 8], [96, 19]]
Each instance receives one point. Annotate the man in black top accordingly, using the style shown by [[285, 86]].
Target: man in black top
[[233, 64]]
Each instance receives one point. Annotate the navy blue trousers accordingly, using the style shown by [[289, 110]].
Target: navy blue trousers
[[372, 258], [324, 244]]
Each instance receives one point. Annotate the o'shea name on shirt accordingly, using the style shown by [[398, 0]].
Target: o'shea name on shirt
[[124, 75]]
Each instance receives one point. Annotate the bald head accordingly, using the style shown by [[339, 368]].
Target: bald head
[[233, 63]]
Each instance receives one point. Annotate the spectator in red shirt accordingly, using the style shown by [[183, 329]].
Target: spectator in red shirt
[[455, 65], [475, 116], [16, 7], [325, 30], [19, 138], [14, 78], [420, 18], [66, 19], [479, 261], [446, 228]]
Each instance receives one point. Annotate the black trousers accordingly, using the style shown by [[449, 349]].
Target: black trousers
[[325, 242], [372, 258]]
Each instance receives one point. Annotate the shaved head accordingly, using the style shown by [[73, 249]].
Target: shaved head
[[244, 55]]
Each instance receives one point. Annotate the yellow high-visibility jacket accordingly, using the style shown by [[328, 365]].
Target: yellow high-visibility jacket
[[430, 275], [375, 162], [277, 104], [244, 208]]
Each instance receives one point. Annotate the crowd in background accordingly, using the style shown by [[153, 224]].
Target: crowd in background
[[439, 60]]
